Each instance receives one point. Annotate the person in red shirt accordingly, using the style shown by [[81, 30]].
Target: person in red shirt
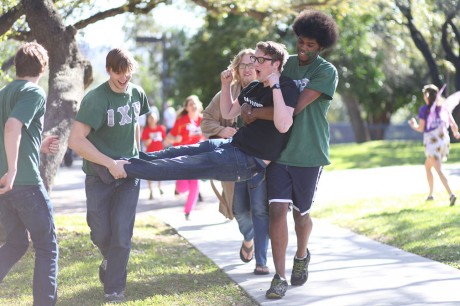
[[152, 137], [186, 130]]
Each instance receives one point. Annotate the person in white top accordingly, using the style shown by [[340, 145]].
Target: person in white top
[[169, 116]]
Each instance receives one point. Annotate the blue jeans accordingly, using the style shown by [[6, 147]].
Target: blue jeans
[[28, 209], [250, 207], [111, 211], [214, 159]]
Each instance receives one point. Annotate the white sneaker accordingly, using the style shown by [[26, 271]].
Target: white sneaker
[[115, 297]]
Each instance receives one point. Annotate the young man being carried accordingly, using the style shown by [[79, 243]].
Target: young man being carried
[[250, 149]]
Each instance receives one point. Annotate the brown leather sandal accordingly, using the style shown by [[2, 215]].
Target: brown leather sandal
[[248, 250]]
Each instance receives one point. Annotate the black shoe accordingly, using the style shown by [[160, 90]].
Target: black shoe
[[200, 197], [277, 289], [452, 199], [187, 216], [299, 274], [102, 269]]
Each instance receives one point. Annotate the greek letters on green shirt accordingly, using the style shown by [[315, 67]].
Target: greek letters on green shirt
[[308, 145], [25, 101], [113, 117]]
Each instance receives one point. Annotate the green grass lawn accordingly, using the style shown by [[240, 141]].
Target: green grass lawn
[[381, 154], [164, 269], [429, 229]]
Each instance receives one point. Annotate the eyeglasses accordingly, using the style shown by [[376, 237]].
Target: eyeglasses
[[261, 59], [243, 66]]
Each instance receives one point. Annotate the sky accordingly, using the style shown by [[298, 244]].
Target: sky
[[109, 32]]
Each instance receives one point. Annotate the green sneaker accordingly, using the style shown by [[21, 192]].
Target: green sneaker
[[299, 274], [277, 289]]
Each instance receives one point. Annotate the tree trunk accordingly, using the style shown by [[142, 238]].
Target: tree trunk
[[360, 130], [378, 125], [66, 77]]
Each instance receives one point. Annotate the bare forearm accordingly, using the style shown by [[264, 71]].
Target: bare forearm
[[138, 136], [229, 108], [282, 114], [265, 113], [84, 148], [12, 139], [307, 96]]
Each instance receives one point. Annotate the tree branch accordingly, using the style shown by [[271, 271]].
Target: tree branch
[[420, 42], [132, 6], [9, 18], [450, 55]]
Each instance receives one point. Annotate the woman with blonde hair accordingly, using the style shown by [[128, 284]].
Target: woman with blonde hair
[[434, 120]]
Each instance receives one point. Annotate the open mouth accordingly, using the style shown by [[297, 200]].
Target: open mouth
[[302, 54]]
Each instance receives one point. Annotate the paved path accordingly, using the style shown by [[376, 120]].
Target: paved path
[[345, 269]]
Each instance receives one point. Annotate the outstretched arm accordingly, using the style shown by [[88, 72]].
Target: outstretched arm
[[79, 142]]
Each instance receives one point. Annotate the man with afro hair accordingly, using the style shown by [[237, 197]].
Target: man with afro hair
[[292, 180]]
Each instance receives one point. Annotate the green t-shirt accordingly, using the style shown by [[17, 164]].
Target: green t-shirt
[[112, 117], [25, 101], [308, 145]]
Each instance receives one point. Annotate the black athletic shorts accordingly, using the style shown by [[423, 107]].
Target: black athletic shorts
[[294, 185]]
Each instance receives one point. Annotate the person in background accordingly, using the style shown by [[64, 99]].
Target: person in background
[[152, 137], [169, 116], [186, 131], [106, 129], [25, 207], [246, 201], [293, 178], [142, 121], [434, 121]]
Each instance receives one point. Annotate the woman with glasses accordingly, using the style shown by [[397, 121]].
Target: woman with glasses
[[246, 201]]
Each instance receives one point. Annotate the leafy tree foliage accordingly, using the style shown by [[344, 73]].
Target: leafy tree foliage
[[377, 66], [210, 51]]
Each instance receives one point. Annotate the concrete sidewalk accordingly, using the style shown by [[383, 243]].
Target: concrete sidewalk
[[345, 268]]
